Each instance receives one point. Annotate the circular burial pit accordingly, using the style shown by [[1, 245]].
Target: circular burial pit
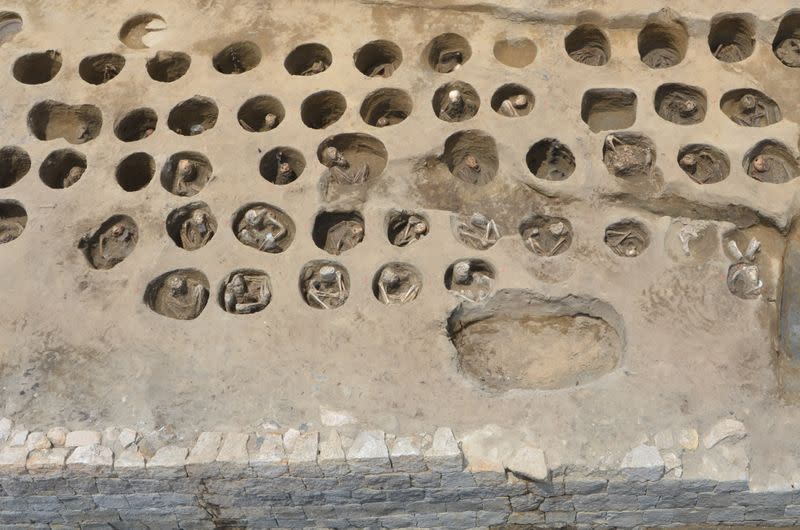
[[455, 101], [385, 107], [136, 125], [166, 67], [37, 68], [471, 156], [186, 173], [519, 340], [193, 116], [308, 59], [786, 45], [237, 58], [14, 164], [338, 232], [605, 109], [77, 124], [515, 52], [113, 241], [587, 44], [191, 226], [750, 108], [732, 37], [282, 165], [322, 109], [704, 164], [100, 69], [13, 219], [379, 58], [772, 162], [62, 168], [10, 25], [549, 159], [663, 41], [513, 100], [140, 32], [181, 294], [447, 52], [260, 114], [135, 171], [681, 104]]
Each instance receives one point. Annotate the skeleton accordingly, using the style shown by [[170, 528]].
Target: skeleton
[[470, 284], [73, 175], [448, 61], [391, 117], [730, 52], [246, 293], [408, 230], [469, 170], [382, 70], [197, 230], [10, 229], [455, 107], [340, 169], [396, 285], [261, 230], [766, 168], [180, 297], [681, 108], [285, 174], [743, 276], [558, 163], [236, 62], [325, 288], [109, 72], [343, 236], [590, 54], [625, 240], [627, 159], [788, 51], [112, 246], [514, 106], [317, 67], [753, 111], [702, 167], [269, 122], [187, 179], [548, 240], [196, 129], [661, 58], [479, 232]]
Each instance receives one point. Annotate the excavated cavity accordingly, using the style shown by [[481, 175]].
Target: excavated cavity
[[627, 238], [77, 124], [14, 164], [322, 109], [62, 168], [308, 59], [588, 44], [186, 173], [455, 101], [181, 294], [245, 291], [397, 283], [13, 219], [282, 165], [681, 104], [772, 162], [515, 52], [605, 109], [191, 226], [750, 108], [704, 164], [386, 106], [324, 284], [360, 150], [549, 159], [139, 31], [663, 40], [513, 100], [113, 241], [166, 67], [518, 339], [405, 227], [629, 155], [237, 58], [261, 113], [732, 37], [786, 45], [545, 235], [263, 227], [136, 125], [193, 116], [135, 171], [470, 280], [338, 232], [378, 58], [100, 69], [447, 52], [471, 156], [475, 231], [37, 68], [10, 25]]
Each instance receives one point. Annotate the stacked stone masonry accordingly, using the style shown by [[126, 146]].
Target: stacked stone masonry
[[296, 479]]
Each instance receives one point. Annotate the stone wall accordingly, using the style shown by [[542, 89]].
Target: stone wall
[[297, 479]]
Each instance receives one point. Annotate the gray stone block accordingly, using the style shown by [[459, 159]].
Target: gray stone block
[[648, 502], [426, 479], [113, 486], [557, 504], [598, 502], [405, 495], [382, 508], [114, 502], [368, 495], [457, 520], [658, 517], [487, 518], [461, 479], [626, 487], [526, 518], [691, 515], [397, 521], [763, 513], [498, 504], [559, 517], [388, 481], [369, 453], [584, 487], [685, 499], [423, 507], [443, 494], [624, 519], [730, 514], [464, 505]]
